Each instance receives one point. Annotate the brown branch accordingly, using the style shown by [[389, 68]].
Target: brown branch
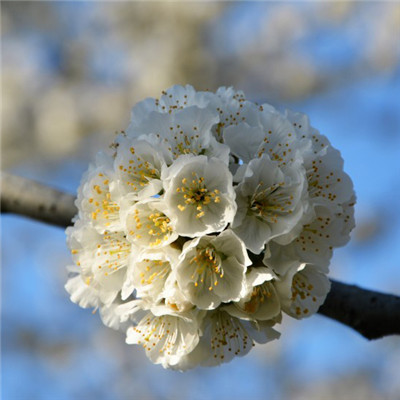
[[34, 200], [372, 314]]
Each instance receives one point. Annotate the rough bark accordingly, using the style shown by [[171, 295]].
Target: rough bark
[[372, 314]]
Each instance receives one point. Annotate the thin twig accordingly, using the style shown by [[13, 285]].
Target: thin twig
[[372, 314]]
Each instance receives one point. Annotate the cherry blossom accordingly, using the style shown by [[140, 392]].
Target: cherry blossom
[[205, 223]]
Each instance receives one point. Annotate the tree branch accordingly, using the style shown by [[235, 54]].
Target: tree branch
[[372, 314], [34, 200]]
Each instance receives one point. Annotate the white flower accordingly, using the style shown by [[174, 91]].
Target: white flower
[[97, 200], [199, 195], [147, 226], [102, 258], [187, 131], [174, 299], [166, 338], [224, 337], [302, 126], [172, 100], [315, 243], [212, 270], [260, 302], [81, 293], [270, 202], [148, 273], [137, 169], [302, 291], [331, 200], [88, 296], [212, 218], [233, 109], [110, 317], [274, 136], [328, 184]]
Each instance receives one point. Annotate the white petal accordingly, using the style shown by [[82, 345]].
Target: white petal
[[225, 337], [172, 100], [328, 184], [133, 310], [257, 276], [151, 271], [260, 302], [308, 290], [138, 168], [111, 318], [147, 226], [212, 271], [316, 241], [199, 195], [97, 202], [166, 339], [81, 293], [244, 140], [281, 141], [271, 202]]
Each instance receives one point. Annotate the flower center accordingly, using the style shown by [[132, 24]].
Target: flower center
[[266, 203], [208, 264], [154, 225], [259, 295], [113, 253], [154, 269], [158, 332], [139, 172], [196, 194]]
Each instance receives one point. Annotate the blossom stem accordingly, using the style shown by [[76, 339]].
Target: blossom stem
[[372, 314]]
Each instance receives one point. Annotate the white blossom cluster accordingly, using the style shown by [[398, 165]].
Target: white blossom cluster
[[209, 218]]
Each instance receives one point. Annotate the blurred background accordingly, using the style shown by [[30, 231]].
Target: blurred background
[[71, 72]]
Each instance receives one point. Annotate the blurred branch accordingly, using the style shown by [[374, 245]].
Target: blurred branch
[[372, 314], [34, 200]]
